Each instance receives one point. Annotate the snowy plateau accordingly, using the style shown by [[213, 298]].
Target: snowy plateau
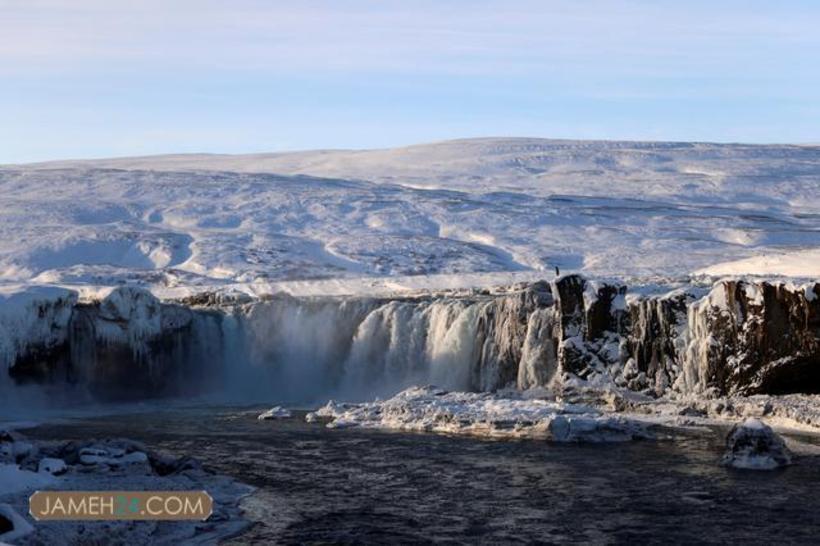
[[566, 290], [475, 206]]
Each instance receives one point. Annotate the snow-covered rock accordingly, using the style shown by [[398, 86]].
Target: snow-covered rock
[[753, 337], [13, 479], [753, 445], [15, 450], [328, 411], [53, 466], [112, 456], [431, 409], [114, 465], [33, 328]]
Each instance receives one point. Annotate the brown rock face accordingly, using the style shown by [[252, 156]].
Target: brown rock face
[[569, 302], [653, 330], [606, 312], [766, 339]]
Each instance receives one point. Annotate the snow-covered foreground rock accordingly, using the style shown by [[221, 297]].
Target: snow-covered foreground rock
[[477, 206], [107, 465], [752, 445]]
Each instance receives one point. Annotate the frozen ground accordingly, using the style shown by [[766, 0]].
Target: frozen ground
[[509, 207]]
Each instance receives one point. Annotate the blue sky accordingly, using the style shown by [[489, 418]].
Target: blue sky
[[103, 78]]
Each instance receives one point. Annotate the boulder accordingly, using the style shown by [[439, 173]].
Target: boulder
[[52, 466], [753, 445]]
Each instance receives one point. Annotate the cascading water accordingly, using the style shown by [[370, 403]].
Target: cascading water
[[305, 350]]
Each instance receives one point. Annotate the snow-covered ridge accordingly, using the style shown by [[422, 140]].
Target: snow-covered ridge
[[484, 164], [738, 337], [605, 209]]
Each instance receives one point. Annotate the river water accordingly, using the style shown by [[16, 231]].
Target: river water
[[317, 485]]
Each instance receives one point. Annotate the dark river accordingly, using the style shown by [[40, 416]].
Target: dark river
[[317, 485]]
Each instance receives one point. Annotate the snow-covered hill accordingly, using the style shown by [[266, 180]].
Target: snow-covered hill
[[524, 206]]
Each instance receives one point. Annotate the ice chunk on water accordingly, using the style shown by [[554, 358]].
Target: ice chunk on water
[[276, 412]]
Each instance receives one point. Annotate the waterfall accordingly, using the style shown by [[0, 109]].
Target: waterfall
[[539, 362], [740, 337], [304, 350]]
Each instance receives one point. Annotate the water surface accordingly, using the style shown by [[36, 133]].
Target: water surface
[[357, 486]]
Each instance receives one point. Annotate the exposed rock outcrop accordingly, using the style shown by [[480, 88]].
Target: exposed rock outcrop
[[748, 338], [130, 345], [655, 338]]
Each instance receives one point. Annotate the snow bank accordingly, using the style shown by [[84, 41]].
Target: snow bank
[[801, 263], [13, 479], [431, 409]]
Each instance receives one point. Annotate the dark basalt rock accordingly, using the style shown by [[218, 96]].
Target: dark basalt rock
[[766, 339], [652, 330], [569, 326], [588, 332], [127, 346], [603, 315], [42, 363], [131, 346], [6, 525], [165, 465], [569, 301]]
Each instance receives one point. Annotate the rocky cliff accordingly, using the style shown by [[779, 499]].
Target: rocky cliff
[[740, 337]]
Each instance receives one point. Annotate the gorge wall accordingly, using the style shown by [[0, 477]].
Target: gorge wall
[[740, 337]]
